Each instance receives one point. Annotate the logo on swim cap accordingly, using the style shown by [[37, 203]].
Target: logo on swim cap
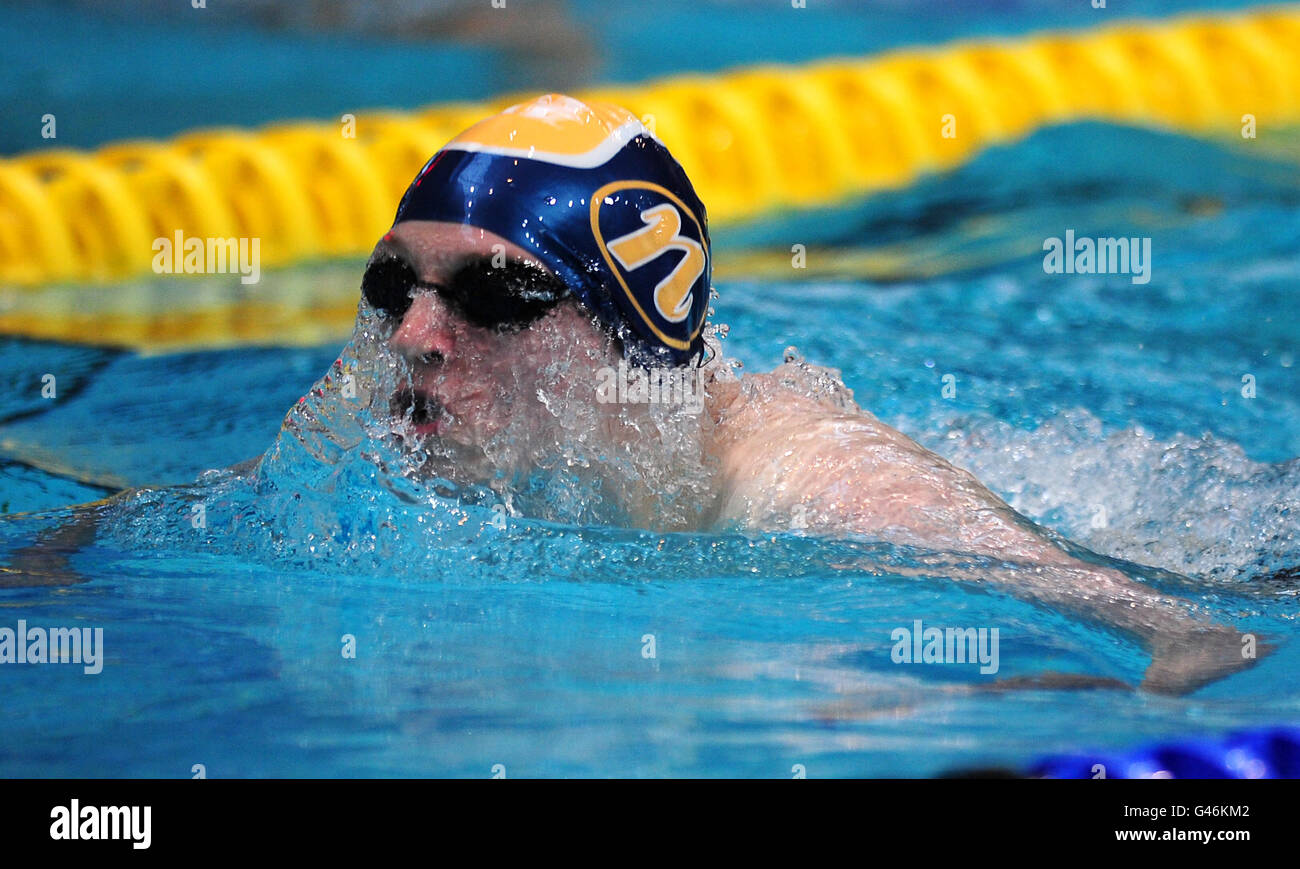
[[666, 249], [590, 192]]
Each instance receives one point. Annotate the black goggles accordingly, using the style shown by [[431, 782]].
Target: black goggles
[[505, 298]]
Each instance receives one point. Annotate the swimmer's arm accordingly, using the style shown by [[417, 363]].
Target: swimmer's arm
[[45, 561], [788, 458]]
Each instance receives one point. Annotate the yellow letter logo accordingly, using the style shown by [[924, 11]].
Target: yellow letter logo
[[661, 233]]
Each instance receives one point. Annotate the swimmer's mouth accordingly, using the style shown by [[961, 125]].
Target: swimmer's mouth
[[427, 415]]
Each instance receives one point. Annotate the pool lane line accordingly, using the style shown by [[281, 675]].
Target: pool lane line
[[758, 140]]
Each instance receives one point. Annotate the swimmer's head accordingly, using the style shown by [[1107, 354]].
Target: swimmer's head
[[481, 325], [583, 203]]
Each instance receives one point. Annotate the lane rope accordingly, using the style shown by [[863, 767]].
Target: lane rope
[[755, 141]]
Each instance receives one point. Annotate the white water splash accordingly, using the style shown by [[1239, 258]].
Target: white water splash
[[1194, 505]]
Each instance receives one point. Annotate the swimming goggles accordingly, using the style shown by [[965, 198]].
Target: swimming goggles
[[503, 298]]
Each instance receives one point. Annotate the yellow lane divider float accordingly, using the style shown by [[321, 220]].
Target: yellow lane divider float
[[754, 141]]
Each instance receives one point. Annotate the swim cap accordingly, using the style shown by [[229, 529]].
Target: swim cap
[[590, 192]]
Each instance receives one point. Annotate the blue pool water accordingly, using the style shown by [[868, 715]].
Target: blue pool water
[[1111, 412]]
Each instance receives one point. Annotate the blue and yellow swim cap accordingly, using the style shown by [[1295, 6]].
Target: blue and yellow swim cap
[[590, 192]]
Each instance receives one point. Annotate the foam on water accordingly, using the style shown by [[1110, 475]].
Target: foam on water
[[1194, 505]]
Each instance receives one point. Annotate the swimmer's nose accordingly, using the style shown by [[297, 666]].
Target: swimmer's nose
[[426, 330]]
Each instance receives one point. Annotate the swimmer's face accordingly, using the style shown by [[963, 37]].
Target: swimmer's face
[[476, 346]]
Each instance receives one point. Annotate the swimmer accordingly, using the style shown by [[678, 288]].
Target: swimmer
[[558, 240]]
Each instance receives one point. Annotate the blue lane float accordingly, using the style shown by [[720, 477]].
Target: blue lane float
[[1263, 753]]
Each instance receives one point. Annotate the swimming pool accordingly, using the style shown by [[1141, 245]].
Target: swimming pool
[[1113, 412]]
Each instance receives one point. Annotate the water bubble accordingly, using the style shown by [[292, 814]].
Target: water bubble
[[791, 354]]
